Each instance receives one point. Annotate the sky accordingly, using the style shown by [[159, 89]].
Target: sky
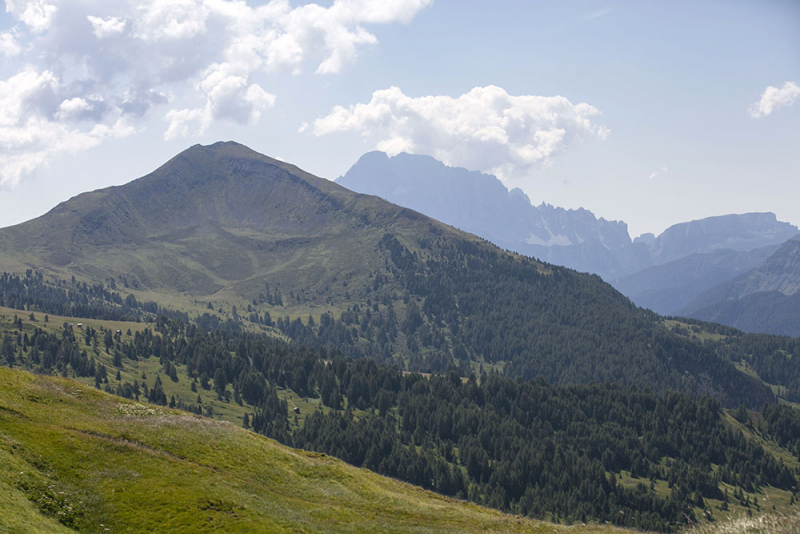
[[653, 113]]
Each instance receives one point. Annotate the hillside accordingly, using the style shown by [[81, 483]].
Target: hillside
[[767, 312], [224, 230], [566, 453], [667, 288], [764, 299], [219, 220], [75, 458]]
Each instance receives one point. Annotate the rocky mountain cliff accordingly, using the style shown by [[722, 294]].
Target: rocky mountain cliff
[[479, 203], [743, 232]]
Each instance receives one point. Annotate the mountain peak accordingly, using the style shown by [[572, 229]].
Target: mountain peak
[[224, 149], [480, 203]]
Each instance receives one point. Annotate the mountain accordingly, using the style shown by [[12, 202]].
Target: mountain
[[744, 232], [764, 299], [669, 287], [225, 226], [479, 203], [75, 459], [213, 220]]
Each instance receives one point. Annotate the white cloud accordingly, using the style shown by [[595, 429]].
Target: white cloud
[[656, 174], [106, 27], [485, 129], [30, 134], [72, 107], [171, 19], [37, 14], [180, 121], [598, 13], [774, 98], [214, 58], [25, 94], [8, 45], [34, 143], [228, 97]]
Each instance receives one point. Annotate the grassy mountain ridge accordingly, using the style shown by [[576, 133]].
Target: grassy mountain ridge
[[74, 457], [212, 218]]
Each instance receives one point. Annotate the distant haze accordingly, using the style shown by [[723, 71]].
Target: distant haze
[[648, 112], [479, 203]]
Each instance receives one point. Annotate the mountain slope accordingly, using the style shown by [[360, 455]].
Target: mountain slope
[[521, 447], [669, 287], [226, 225], [765, 312], [764, 299], [212, 218], [74, 457]]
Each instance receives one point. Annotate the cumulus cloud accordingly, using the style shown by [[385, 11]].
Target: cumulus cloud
[[104, 27], [485, 129], [774, 98], [171, 19], [28, 138], [91, 69], [228, 97], [37, 14], [8, 45]]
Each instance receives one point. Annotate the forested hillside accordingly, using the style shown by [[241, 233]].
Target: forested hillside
[[73, 459], [465, 307], [567, 453], [224, 228]]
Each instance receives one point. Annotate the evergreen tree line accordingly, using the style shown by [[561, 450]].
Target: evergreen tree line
[[32, 292], [453, 304], [547, 451]]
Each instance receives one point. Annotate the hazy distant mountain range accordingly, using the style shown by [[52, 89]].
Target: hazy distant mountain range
[[480, 204], [669, 287], [665, 273], [763, 299]]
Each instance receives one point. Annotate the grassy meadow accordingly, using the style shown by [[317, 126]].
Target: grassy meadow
[[72, 457]]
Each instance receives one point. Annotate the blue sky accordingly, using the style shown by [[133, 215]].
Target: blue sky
[[645, 112]]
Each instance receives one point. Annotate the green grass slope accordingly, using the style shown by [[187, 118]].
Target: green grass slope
[[75, 458]]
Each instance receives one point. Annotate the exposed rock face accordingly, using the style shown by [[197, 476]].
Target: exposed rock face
[[480, 204], [734, 232]]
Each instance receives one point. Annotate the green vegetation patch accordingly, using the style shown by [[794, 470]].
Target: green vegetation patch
[[79, 458]]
